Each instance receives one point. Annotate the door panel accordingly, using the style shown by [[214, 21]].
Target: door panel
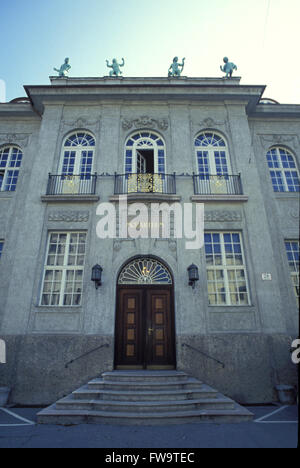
[[129, 327], [159, 330]]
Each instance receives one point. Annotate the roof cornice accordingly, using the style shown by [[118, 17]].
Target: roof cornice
[[17, 110], [66, 90]]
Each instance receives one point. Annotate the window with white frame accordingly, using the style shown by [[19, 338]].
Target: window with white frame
[[64, 268], [283, 170], [1, 246], [226, 270], [212, 155], [292, 251], [10, 163], [78, 155]]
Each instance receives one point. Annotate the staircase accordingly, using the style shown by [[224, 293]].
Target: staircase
[[144, 398]]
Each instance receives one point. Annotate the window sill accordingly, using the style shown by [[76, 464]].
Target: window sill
[[7, 194], [58, 309], [231, 308], [70, 198], [219, 198], [281, 195]]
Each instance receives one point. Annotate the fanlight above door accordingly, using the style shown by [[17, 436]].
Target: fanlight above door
[[145, 271]]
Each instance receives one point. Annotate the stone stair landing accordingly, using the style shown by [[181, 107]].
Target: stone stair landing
[[144, 398]]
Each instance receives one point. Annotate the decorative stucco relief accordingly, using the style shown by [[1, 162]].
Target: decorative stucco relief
[[277, 139], [69, 216], [294, 213], [18, 138], [293, 220], [226, 215], [145, 121], [209, 122], [81, 122]]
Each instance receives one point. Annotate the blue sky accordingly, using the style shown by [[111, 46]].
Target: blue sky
[[260, 36]]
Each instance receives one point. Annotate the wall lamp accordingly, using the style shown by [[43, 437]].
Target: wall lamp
[[193, 275], [96, 275]]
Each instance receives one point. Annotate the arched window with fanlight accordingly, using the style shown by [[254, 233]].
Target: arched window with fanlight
[[283, 170], [212, 154], [145, 153], [10, 163], [78, 154], [145, 165], [213, 164], [76, 166], [143, 271]]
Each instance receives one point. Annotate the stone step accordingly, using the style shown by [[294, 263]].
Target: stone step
[[144, 398], [145, 376], [100, 384], [85, 393], [69, 403], [67, 417]]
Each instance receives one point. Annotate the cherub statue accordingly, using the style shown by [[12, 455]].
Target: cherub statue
[[228, 67], [174, 67], [64, 69], [115, 67]]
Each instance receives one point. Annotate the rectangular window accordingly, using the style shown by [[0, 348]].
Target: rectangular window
[[1, 247], [63, 272], [292, 251], [226, 270]]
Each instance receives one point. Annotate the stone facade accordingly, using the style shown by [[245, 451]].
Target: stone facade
[[253, 341]]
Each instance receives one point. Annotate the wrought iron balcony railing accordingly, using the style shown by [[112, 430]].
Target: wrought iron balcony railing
[[145, 183], [84, 184], [206, 184]]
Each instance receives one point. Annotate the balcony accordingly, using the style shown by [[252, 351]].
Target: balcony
[[71, 188], [218, 188], [149, 186]]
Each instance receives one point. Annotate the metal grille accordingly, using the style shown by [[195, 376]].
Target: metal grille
[[145, 271]]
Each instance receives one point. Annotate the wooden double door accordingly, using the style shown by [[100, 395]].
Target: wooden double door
[[145, 332]]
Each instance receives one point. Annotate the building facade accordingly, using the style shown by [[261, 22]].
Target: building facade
[[81, 142]]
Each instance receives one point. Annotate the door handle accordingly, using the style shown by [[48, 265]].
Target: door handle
[[150, 330]]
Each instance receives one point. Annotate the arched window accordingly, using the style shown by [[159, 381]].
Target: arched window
[[145, 271], [212, 155], [78, 154], [145, 153], [10, 163], [283, 170]]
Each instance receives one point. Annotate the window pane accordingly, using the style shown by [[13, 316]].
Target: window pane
[[11, 180], [45, 299], [4, 153]]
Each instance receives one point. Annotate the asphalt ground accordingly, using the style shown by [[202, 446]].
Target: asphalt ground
[[273, 426]]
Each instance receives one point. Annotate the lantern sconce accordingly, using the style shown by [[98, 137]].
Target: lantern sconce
[[96, 275], [193, 275]]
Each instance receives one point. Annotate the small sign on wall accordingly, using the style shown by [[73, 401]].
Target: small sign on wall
[[266, 276]]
